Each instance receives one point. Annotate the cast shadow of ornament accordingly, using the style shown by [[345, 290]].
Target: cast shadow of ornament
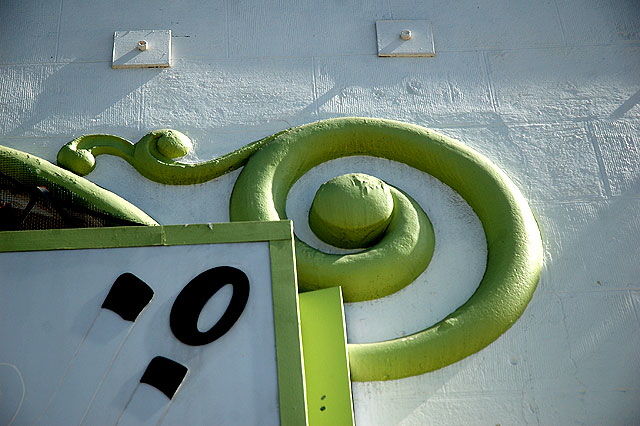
[[397, 248], [38, 115]]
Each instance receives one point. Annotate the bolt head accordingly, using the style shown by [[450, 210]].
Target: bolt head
[[143, 45], [405, 34]]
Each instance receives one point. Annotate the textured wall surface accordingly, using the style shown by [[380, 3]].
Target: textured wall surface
[[548, 90]]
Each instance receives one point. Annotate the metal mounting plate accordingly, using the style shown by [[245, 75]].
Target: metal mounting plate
[[390, 42], [126, 53]]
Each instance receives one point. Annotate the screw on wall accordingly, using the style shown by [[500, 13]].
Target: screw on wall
[[143, 45], [405, 34]]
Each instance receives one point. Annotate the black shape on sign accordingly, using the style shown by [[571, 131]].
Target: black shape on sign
[[128, 296], [165, 375], [191, 300]]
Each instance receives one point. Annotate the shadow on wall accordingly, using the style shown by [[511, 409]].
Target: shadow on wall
[[573, 354], [595, 273], [75, 98], [447, 89], [626, 106]]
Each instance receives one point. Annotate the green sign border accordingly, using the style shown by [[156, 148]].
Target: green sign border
[[279, 235]]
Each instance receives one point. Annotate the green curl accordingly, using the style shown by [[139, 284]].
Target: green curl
[[513, 240], [153, 156], [275, 163], [401, 255]]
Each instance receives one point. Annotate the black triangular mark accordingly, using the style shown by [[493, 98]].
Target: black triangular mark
[[165, 375], [128, 296]]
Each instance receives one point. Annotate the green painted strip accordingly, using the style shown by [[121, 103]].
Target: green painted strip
[[291, 381], [227, 232], [138, 236], [84, 238], [326, 365]]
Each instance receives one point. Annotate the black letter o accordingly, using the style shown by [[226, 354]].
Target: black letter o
[[191, 300]]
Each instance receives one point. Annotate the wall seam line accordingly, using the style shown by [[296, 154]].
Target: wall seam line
[[315, 86], [492, 96], [634, 305], [142, 101], [59, 27], [564, 37], [604, 177], [227, 35]]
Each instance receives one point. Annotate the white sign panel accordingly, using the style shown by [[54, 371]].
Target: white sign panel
[[167, 334]]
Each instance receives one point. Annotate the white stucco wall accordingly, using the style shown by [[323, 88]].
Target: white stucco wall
[[548, 90]]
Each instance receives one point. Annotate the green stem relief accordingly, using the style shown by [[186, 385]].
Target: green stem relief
[[153, 156], [398, 255]]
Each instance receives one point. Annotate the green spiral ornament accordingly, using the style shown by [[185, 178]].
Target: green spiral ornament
[[396, 234]]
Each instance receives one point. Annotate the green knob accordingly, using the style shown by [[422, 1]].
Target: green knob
[[173, 144], [351, 211]]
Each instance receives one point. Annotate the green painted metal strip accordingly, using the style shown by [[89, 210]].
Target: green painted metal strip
[[291, 381], [228, 232], [138, 236], [325, 357], [84, 238]]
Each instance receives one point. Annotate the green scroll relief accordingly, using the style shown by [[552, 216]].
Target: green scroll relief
[[274, 164], [153, 155]]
